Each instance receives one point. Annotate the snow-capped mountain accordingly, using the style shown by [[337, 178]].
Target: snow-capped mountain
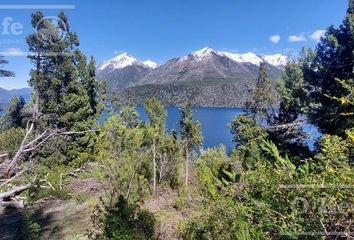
[[124, 71], [278, 60], [208, 76], [124, 60], [151, 64], [210, 65]]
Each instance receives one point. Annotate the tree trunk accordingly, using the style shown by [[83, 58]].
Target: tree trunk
[[187, 166], [154, 163], [13, 204], [162, 163], [20, 150], [14, 192]]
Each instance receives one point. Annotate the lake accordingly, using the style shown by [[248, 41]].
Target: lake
[[214, 123]]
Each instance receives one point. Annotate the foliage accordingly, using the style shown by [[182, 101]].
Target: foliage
[[278, 200], [262, 96], [157, 114], [123, 221], [215, 169], [332, 59], [190, 132], [14, 117], [4, 73], [285, 125], [10, 140], [248, 136], [224, 219], [119, 152], [190, 129], [292, 93], [36, 194], [172, 151], [30, 230], [65, 96], [155, 132]]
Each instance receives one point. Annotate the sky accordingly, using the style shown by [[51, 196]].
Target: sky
[[162, 29]]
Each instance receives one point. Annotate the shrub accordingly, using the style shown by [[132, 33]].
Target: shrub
[[123, 221], [10, 140]]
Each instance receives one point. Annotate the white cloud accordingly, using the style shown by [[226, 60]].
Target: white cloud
[[299, 38], [316, 35], [13, 52], [274, 39]]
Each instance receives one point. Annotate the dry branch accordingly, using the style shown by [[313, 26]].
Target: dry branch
[[13, 204], [42, 138], [285, 126], [5, 196]]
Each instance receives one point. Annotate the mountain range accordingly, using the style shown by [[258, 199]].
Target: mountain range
[[6, 95], [206, 77]]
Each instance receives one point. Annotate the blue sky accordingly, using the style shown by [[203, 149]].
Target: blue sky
[[162, 29]]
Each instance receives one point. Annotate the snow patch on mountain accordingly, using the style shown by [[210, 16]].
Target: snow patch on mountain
[[277, 60], [124, 60], [150, 64], [243, 58], [203, 53], [121, 61]]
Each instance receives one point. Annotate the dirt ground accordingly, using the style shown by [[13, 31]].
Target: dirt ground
[[59, 219], [70, 219]]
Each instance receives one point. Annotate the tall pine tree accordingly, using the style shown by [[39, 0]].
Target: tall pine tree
[[64, 87], [325, 70], [262, 96]]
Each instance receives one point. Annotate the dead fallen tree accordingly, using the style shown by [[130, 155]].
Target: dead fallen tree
[[6, 196], [21, 163], [291, 125], [288, 129], [28, 146]]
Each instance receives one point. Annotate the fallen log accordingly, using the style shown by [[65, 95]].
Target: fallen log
[[13, 204], [6, 196]]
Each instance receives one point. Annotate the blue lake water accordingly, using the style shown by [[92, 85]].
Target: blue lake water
[[214, 123]]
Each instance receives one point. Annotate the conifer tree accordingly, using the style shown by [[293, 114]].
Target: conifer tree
[[285, 126], [292, 93], [331, 63], [64, 87], [4, 73], [92, 86], [262, 96], [14, 115]]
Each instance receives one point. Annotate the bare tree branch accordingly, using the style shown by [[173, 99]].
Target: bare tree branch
[[14, 192]]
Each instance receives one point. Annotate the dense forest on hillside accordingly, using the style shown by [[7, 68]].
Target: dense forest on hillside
[[65, 176]]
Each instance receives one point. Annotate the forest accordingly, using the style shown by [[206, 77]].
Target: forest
[[66, 175]]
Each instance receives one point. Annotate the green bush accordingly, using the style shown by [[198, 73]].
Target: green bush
[[37, 193], [123, 221], [224, 219], [29, 228], [10, 140]]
